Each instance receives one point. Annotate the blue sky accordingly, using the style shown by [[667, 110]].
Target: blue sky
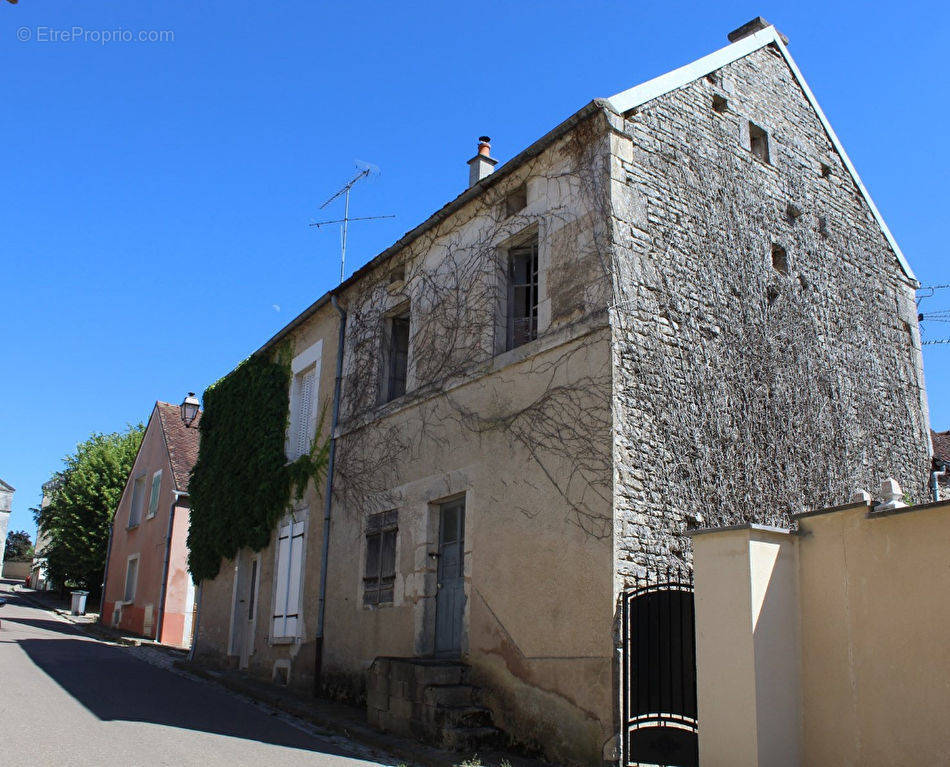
[[157, 195]]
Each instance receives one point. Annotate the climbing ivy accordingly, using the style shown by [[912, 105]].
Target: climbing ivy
[[241, 484]]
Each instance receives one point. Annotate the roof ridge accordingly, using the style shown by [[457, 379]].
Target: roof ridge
[[647, 91]]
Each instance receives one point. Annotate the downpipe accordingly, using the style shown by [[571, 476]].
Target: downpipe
[[327, 504], [935, 482]]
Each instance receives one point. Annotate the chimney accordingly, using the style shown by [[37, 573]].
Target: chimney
[[482, 164], [750, 28]]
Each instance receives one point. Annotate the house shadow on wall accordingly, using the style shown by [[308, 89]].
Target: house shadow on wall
[[114, 685]]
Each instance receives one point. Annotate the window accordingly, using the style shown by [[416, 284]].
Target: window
[[379, 574], [779, 259], [523, 294], [153, 498], [288, 570], [131, 577], [720, 103], [304, 385], [398, 357], [138, 501], [759, 142], [304, 390]]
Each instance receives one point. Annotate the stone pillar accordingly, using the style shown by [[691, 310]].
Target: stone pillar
[[747, 647]]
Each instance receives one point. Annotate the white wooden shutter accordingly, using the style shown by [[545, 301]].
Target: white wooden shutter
[[304, 412], [280, 595], [290, 542], [294, 579]]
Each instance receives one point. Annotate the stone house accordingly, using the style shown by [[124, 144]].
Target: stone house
[[6, 508], [148, 589], [678, 305]]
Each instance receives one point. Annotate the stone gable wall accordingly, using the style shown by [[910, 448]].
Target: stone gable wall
[[739, 388]]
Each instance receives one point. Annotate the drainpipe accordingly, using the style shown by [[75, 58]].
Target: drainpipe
[[327, 502], [935, 481], [176, 494], [105, 573], [194, 629]]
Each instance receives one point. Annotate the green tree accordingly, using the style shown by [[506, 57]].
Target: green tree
[[18, 547], [82, 502]]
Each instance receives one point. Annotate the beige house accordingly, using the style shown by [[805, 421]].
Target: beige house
[[542, 386]]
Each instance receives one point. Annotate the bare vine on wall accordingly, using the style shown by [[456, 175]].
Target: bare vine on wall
[[780, 380], [454, 283], [738, 391]]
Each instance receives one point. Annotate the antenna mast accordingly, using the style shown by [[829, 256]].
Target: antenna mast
[[345, 192]]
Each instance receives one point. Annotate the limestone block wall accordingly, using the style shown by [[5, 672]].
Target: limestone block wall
[[766, 351]]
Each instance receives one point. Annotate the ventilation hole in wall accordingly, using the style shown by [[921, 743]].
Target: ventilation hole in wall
[[759, 142], [825, 170], [823, 226], [397, 275], [713, 77], [281, 674], [720, 103], [779, 259], [517, 200], [793, 212], [803, 282], [772, 294]]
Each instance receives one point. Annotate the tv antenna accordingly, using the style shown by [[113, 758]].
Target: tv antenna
[[344, 222]]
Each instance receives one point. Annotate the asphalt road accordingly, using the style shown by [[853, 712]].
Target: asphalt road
[[69, 699]]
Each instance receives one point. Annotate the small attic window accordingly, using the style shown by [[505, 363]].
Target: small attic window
[[758, 142], [713, 77], [779, 259], [825, 170], [397, 275], [516, 201], [720, 103]]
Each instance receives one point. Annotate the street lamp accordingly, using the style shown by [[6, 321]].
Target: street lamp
[[189, 409]]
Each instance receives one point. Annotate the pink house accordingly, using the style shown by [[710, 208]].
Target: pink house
[[148, 589]]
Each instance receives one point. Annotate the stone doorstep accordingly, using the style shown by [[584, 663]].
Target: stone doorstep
[[339, 719]]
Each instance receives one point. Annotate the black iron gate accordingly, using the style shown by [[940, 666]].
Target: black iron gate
[[659, 672]]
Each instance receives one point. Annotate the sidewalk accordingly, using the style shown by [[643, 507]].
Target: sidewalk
[[89, 621], [326, 717], [338, 718]]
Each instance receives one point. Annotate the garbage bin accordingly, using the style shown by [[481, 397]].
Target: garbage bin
[[78, 606]]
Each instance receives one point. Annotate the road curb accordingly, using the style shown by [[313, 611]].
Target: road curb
[[412, 753]]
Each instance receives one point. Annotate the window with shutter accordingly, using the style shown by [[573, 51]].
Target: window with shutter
[[288, 574], [138, 501], [304, 394], [302, 423], [153, 498], [379, 573]]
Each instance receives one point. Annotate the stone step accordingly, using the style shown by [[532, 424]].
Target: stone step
[[450, 695], [470, 738], [458, 716]]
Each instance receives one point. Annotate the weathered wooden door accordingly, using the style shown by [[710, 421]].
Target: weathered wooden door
[[450, 597]]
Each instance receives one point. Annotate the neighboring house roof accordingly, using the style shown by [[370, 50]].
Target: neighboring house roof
[[7, 487], [181, 442], [620, 103]]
